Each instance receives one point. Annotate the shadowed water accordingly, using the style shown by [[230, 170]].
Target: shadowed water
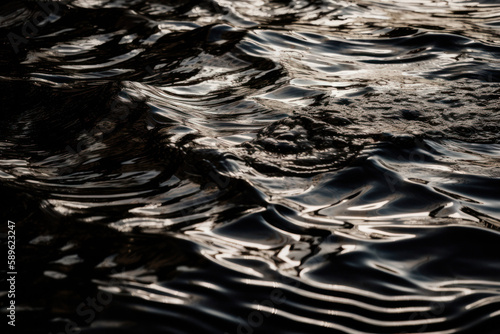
[[252, 166]]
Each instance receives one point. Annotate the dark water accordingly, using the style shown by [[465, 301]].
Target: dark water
[[252, 166]]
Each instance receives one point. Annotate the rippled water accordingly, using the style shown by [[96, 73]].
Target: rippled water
[[252, 166]]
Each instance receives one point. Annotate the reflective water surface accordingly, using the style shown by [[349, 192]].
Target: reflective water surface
[[261, 166]]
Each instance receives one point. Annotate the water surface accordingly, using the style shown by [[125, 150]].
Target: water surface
[[252, 166]]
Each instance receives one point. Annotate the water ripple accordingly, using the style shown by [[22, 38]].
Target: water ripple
[[252, 167]]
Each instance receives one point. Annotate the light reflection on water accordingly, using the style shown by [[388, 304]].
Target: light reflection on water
[[254, 166]]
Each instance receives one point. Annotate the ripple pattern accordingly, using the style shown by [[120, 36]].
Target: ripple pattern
[[292, 166]]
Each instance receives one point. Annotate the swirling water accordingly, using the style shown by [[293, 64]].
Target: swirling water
[[263, 166]]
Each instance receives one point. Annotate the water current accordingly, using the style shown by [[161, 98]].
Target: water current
[[217, 166]]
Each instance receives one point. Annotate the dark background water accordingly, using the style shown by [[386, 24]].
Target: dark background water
[[251, 166]]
